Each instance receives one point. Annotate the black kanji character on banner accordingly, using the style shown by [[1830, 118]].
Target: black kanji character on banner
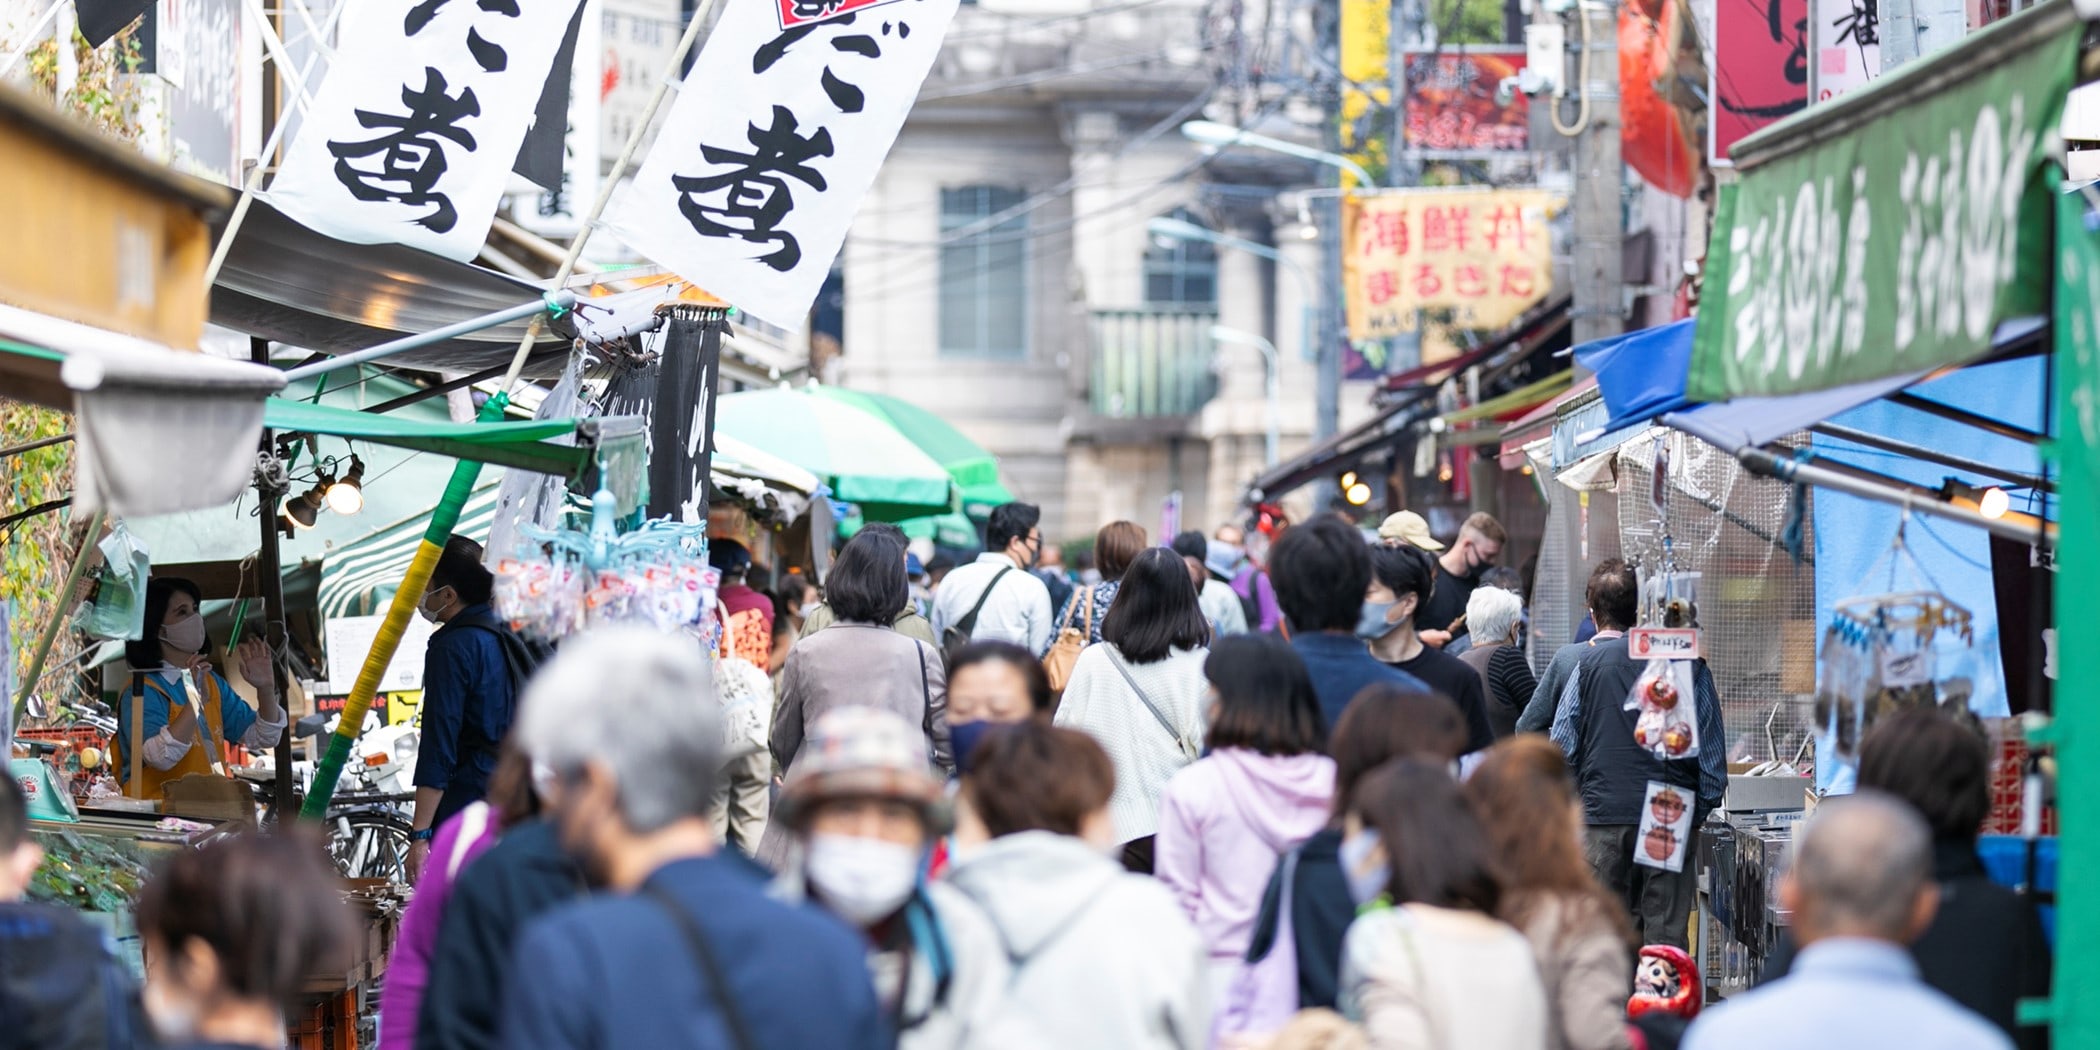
[[491, 57], [848, 97], [757, 198], [411, 153], [1862, 25]]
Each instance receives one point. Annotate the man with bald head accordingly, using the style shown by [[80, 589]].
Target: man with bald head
[[1860, 888]]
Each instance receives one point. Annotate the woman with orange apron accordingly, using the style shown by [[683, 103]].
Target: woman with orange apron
[[177, 714]]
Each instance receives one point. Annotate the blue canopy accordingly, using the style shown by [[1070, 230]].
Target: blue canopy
[[1640, 375]]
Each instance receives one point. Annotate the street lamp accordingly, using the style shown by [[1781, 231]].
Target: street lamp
[[1222, 136], [1271, 386], [1178, 230]]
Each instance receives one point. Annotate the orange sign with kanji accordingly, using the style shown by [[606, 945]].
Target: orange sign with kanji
[[1485, 255]]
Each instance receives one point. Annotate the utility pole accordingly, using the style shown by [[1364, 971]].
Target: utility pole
[[1599, 270]]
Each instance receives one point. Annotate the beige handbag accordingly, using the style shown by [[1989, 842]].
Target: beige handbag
[[1057, 663]]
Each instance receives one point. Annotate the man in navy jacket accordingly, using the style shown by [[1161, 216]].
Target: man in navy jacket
[[1321, 570], [688, 950]]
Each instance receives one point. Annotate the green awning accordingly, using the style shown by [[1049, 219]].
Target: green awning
[[864, 459], [520, 445], [975, 470], [1893, 229], [952, 529]]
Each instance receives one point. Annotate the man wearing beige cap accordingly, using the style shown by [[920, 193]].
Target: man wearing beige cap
[[1480, 541]]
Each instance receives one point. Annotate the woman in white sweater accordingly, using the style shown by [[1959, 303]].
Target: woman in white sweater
[[1140, 693], [1426, 965]]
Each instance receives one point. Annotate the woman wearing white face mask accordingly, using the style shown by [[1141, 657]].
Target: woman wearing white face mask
[[179, 712], [231, 932], [864, 807]]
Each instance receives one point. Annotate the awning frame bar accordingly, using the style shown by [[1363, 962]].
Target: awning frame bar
[[1919, 452], [1767, 463], [557, 300], [1966, 418]]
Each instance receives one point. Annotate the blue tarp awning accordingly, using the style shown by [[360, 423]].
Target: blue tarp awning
[[1640, 375], [1747, 422]]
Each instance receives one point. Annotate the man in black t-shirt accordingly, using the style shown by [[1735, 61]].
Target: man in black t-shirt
[[1401, 578], [1441, 617]]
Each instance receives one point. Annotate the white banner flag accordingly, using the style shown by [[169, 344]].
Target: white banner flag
[[775, 138], [412, 136]]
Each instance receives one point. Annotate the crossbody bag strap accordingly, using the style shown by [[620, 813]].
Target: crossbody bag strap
[[968, 623], [710, 967], [1117, 659]]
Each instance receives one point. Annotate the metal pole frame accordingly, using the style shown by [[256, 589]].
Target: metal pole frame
[[1785, 468], [269, 572], [558, 299]]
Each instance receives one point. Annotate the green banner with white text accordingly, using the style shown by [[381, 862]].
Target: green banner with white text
[[1898, 246]]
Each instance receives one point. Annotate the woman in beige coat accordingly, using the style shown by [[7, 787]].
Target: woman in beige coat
[[860, 661], [1580, 933]]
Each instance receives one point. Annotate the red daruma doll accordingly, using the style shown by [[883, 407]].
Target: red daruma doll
[[1665, 981]]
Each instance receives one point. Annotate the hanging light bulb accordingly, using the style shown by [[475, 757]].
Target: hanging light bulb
[[301, 511], [1357, 494], [348, 495], [1993, 503]]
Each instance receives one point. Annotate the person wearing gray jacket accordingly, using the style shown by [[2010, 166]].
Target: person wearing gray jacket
[[1099, 957]]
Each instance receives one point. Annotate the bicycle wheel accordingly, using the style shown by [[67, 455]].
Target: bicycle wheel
[[370, 845]]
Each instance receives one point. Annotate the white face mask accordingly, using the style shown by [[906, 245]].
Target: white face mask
[[185, 635], [863, 880], [428, 611]]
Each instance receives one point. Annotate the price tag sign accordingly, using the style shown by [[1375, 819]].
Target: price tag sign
[[1663, 643]]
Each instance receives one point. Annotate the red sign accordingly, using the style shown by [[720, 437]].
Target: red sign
[[1760, 67], [1452, 108], [794, 13]]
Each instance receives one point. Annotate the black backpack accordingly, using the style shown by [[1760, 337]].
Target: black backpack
[[521, 657], [60, 988]]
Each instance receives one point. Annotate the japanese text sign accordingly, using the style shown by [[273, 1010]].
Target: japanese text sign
[[412, 137], [1484, 255], [809, 12], [1760, 67], [1847, 36], [1451, 106], [773, 141], [1899, 247]]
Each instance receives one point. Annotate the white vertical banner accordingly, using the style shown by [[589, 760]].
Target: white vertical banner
[[775, 138], [1846, 36], [412, 136]]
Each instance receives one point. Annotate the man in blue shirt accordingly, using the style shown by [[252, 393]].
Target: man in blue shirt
[[1860, 889], [688, 950], [469, 698], [1321, 570]]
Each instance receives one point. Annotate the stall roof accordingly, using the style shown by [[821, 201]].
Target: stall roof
[[521, 445], [287, 283]]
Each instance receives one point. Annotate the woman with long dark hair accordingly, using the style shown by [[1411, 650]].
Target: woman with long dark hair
[[1264, 788], [1141, 693], [1426, 963], [1525, 798]]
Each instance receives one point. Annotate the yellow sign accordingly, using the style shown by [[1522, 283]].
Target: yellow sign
[[1484, 255], [1366, 29]]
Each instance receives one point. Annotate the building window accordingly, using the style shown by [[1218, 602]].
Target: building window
[[984, 273], [1181, 272]]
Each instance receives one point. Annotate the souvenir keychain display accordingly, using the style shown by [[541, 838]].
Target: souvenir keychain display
[[561, 581], [1882, 653]]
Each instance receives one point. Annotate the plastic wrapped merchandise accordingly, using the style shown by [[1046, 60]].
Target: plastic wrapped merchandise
[[1663, 695]]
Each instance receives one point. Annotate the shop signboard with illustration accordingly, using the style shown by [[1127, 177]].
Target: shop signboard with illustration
[[1453, 108], [1481, 256], [1760, 74], [1900, 246]]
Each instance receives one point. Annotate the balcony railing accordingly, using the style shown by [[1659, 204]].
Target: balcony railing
[[1152, 363]]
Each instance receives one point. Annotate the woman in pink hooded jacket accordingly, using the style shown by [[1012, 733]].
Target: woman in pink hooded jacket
[[1263, 788]]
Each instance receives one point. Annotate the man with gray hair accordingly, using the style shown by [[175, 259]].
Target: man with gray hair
[[688, 950], [1860, 888], [1496, 653]]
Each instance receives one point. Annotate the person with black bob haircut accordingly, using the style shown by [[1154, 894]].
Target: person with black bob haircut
[[1985, 948], [1263, 789], [997, 598], [907, 621], [992, 684], [1141, 694], [1426, 954], [177, 711], [860, 661], [1402, 578], [1321, 572], [472, 675]]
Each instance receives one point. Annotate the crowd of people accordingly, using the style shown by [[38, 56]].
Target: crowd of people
[[1260, 801]]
